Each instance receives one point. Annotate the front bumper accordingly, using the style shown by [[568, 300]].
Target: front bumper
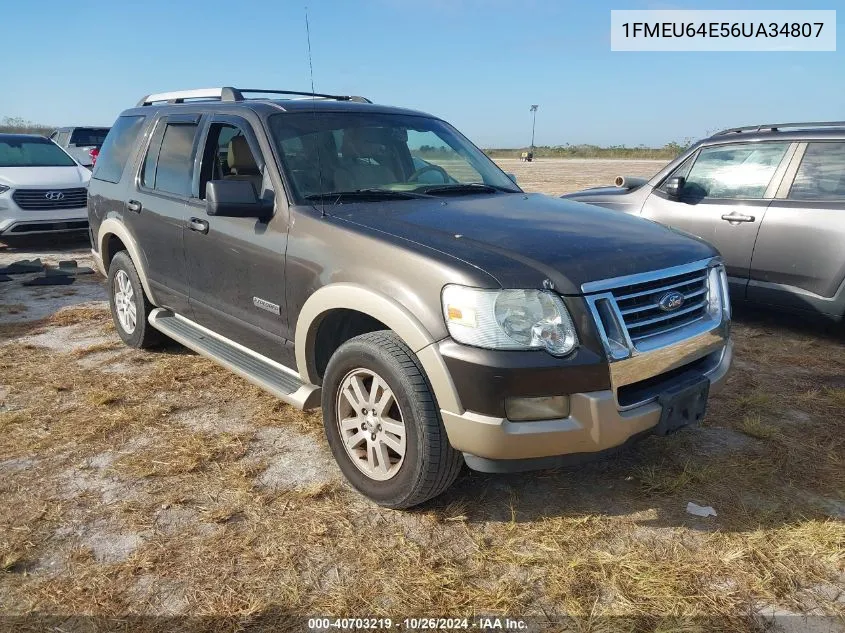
[[597, 424], [15, 221]]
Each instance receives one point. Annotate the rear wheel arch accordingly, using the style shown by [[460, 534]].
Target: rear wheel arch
[[110, 247], [113, 237]]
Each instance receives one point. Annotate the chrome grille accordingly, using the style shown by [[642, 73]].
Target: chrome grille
[[49, 199], [640, 307]]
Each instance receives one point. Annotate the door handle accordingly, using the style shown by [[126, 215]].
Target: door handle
[[134, 205], [735, 217], [200, 226]]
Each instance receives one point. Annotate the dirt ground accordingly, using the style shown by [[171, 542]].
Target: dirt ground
[[155, 491], [557, 176]]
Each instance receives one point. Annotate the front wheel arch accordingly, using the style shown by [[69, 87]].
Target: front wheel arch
[[396, 318]]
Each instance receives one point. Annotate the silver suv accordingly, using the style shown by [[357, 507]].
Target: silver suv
[[771, 198], [83, 143]]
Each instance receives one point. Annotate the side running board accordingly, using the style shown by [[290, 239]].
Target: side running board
[[282, 382]]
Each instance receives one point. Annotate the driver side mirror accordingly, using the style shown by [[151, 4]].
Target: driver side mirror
[[235, 199], [674, 186]]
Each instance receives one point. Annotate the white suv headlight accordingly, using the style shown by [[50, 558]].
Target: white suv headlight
[[4, 188], [509, 319]]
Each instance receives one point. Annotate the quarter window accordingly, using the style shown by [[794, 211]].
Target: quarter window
[[116, 148], [171, 170], [821, 175], [741, 171]]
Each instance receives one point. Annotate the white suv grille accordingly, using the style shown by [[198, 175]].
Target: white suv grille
[[51, 199]]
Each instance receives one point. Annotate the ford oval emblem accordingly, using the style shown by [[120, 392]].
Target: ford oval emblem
[[671, 301]]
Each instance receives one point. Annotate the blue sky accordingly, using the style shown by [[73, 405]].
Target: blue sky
[[478, 64]]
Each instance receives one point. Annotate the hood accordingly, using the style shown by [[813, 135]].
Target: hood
[[598, 191], [45, 177], [522, 240], [617, 198]]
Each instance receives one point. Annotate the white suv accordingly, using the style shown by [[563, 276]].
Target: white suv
[[42, 188]]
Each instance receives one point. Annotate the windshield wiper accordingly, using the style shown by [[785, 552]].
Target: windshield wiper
[[466, 187], [369, 194]]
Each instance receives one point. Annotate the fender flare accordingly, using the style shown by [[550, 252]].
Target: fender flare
[[113, 226], [353, 296]]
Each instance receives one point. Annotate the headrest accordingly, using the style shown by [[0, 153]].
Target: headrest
[[240, 159], [364, 141]]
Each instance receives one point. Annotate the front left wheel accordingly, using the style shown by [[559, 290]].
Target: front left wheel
[[382, 422]]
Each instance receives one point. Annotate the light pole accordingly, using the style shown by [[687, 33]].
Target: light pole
[[533, 124]]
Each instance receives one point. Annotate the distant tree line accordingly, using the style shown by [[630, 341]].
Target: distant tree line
[[19, 125], [433, 151], [668, 151]]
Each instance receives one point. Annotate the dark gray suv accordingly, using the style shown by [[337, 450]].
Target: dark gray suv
[[771, 198], [373, 262]]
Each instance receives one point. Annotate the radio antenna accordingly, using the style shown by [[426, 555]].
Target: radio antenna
[[308, 37], [314, 109]]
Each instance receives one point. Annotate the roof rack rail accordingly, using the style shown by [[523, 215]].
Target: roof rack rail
[[778, 126], [227, 93]]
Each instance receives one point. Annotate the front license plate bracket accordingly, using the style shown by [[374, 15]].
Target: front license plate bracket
[[685, 404]]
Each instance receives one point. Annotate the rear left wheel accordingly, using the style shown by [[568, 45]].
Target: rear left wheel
[[130, 307]]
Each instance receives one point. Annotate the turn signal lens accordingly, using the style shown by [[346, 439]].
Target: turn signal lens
[[533, 409]]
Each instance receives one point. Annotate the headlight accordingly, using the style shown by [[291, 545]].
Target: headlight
[[509, 319], [4, 188]]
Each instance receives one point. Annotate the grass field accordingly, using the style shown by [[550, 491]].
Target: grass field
[[157, 487]]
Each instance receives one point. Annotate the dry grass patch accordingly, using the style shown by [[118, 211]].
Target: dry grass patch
[[754, 426], [180, 453], [98, 348]]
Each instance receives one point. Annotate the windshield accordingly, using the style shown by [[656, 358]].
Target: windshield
[[365, 152], [88, 136], [31, 151]]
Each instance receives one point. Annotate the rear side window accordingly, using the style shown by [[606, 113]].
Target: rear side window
[[117, 148], [88, 136], [821, 175], [741, 171], [170, 170]]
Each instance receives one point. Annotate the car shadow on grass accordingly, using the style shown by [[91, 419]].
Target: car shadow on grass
[[784, 322], [650, 483]]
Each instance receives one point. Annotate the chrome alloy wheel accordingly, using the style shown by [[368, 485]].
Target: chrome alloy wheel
[[371, 425], [124, 302]]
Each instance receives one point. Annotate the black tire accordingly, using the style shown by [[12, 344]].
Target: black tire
[[430, 463], [143, 335]]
